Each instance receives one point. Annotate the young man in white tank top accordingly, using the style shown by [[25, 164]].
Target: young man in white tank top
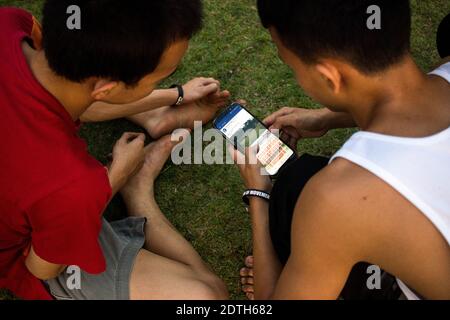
[[384, 199]]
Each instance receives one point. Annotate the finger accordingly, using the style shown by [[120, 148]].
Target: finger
[[242, 102], [293, 143], [224, 94], [212, 80], [291, 131], [282, 122], [127, 136], [219, 96], [251, 155], [250, 296], [137, 140], [285, 137], [273, 117], [238, 157], [210, 88], [232, 152]]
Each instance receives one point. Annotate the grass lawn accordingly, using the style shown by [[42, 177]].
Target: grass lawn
[[204, 201]]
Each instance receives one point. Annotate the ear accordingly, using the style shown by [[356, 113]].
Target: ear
[[102, 89], [332, 75]]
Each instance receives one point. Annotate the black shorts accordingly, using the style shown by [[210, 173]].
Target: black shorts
[[286, 191]]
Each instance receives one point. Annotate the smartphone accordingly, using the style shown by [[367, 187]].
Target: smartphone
[[243, 130]]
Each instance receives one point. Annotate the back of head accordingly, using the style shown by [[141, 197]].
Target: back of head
[[118, 40], [315, 29]]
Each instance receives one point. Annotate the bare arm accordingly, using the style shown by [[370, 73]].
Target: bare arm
[[298, 123], [194, 90], [323, 248], [338, 120], [101, 111], [267, 267], [322, 252], [42, 269]]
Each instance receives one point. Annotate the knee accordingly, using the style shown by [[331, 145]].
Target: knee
[[211, 288]]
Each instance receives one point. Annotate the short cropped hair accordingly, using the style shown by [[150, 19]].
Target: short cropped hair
[[120, 40], [315, 29]]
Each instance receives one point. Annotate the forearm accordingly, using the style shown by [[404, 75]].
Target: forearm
[[116, 180], [267, 267], [337, 120], [101, 111]]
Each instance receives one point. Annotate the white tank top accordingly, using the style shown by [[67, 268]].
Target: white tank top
[[418, 168]]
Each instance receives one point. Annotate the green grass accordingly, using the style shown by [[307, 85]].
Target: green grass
[[204, 201]]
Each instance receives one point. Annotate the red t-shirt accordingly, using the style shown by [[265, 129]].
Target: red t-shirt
[[52, 192]]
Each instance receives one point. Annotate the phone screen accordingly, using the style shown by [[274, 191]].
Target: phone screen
[[242, 129]]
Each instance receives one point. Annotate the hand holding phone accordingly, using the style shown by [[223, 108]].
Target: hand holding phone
[[243, 130]]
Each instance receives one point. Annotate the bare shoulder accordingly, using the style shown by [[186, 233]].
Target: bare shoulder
[[351, 196], [344, 202], [343, 184], [348, 210]]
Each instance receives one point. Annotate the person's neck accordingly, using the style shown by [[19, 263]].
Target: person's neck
[[74, 97], [401, 102]]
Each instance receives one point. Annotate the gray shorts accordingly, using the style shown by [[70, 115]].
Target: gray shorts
[[121, 242]]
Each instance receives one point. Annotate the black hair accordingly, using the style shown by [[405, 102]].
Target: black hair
[[443, 36], [120, 40], [315, 29]]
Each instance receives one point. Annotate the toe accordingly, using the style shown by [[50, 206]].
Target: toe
[[247, 281], [244, 272], [249, 262], [248, 289]]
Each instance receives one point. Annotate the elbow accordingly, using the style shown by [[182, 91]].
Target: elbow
[[43, 274]]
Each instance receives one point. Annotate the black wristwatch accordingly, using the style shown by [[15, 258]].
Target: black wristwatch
[[254, 193], [180, 94]]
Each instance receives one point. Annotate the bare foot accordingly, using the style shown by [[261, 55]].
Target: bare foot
[[139, 189], [247, 278], [165, 120]]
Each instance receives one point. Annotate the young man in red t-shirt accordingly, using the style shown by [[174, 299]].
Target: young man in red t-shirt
[[53, 193]]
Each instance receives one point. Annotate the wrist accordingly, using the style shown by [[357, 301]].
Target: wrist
[[255, 193], [117, 178], [180, 95], [264, 187], [327, 119], [337, 120]]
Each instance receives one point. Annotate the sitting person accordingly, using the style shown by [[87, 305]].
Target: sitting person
[[53, 193], [384, 198]]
